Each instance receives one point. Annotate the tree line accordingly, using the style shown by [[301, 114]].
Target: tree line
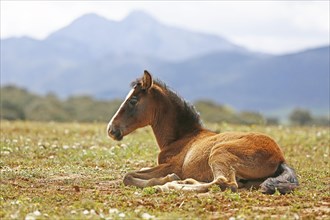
[[20, 104]]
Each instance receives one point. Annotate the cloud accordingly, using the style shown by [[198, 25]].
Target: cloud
[[268, 26]]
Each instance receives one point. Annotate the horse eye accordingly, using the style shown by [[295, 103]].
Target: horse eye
[[133, 100]]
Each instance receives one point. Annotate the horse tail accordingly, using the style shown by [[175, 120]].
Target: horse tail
[[285, 181]]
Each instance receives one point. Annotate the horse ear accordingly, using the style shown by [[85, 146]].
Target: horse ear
[[146, 80]]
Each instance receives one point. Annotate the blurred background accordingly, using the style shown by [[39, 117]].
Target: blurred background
[[244, 62]]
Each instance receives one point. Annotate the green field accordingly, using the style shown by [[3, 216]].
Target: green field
[[73, 171]]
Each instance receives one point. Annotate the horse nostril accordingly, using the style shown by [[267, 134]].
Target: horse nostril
[[114, 132]]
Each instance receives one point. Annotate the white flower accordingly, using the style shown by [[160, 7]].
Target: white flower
[[113, 211], [66, 147], [30, 216], [147, 216], [122, 215], [37, 213]]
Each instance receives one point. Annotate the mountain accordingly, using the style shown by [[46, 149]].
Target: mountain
[[97, 56], [292, 80], [262, 83], [140, 34]]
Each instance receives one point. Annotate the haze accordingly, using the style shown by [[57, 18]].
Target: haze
[[270, 27]]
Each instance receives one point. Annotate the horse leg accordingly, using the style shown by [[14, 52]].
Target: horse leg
[[159, 175], [196, 186], [190, 185], [223, 173]]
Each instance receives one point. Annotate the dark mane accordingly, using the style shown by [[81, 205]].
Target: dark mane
[[187, 113]]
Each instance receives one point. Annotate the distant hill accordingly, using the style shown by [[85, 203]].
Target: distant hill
[[140, 34], [100, 57], [254, 82]]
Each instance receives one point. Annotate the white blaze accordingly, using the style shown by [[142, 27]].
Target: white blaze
[[122, 104]]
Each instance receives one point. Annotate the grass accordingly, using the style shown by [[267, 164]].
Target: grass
[[73, 171]]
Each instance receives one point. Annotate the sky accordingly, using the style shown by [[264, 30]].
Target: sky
[[275, 27]]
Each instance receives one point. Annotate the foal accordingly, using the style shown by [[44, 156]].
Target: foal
[[191, 157]]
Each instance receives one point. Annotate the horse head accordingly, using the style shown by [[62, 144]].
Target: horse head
[[136, 110]]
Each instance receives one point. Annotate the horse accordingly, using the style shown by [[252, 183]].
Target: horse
[[191, 157]]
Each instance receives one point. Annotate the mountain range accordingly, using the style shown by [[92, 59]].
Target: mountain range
[[99, 57]]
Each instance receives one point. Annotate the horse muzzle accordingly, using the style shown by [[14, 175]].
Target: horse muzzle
[[115, 133]]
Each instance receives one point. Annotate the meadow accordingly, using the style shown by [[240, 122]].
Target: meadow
[[74, 171]]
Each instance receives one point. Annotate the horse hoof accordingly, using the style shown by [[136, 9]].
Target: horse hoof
[[233, 188], [173, 177], [128, 180], [162, 188]]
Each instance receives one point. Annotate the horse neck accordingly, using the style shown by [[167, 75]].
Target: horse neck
[[168, 129]]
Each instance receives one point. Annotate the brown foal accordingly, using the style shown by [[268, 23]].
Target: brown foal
[[191, 157]]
